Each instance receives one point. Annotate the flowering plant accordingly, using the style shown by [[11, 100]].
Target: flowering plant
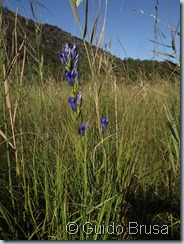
[[70, 60]]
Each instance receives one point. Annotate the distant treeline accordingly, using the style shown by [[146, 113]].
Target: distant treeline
[[43, 42]]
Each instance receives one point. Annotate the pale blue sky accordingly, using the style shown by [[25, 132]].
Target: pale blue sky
[[132, 29]]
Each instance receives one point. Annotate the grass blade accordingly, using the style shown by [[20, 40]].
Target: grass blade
[[95, 24], [73, 6], [86, 20]]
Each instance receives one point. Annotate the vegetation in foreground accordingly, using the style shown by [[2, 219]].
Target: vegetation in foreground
[[52, 176]]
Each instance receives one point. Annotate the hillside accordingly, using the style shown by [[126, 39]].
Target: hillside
[[50, 39]]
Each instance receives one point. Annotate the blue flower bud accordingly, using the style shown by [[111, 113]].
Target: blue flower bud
[[67, 52], [72, 102], [70, 57], [73, 51], [76, 60], [79, 99], [71, 76], [62, 58], [84, 127], [104, 123]]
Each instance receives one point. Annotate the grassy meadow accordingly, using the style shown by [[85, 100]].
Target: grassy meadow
[[124, 185]]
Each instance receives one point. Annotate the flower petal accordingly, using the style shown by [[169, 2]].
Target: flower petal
[[62, 58], [81, 129], [104, 123], [71, 76], [72, 102]]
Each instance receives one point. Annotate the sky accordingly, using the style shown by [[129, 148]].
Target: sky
[[129, 23]]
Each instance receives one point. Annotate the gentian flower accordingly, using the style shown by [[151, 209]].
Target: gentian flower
[[73, 51], [62, 58], [75, 102], [104, 123], [72, 102], [70, 57], [83, 128], [71, 76], [75, 61], [67, 51], [74, 56]]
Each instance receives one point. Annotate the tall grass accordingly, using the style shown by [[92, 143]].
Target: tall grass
[[51, 176]]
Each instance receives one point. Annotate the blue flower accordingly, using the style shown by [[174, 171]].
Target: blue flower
[[75, 102], [83, 128], [74, 56], [62, 58], [75, 61], [72, 102], [73, 51], [67, 51], [71, 76], [104, 123], [70, 57]]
